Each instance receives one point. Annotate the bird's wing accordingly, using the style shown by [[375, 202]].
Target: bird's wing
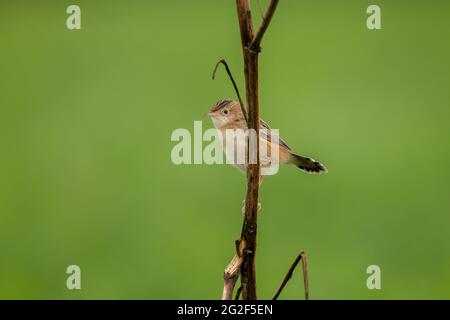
[[268, 134]]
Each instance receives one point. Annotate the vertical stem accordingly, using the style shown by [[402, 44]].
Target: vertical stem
[[249, 227], [251, 49]]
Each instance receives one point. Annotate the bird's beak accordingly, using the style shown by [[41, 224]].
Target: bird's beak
[[208, 114]]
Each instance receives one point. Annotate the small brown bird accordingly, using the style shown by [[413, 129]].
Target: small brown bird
[[227, 114]]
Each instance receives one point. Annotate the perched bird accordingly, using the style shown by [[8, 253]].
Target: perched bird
[[227, 115]]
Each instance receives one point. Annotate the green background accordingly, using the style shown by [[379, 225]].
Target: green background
[[86, 176]]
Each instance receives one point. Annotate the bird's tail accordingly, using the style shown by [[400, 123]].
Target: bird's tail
[[307, 164]]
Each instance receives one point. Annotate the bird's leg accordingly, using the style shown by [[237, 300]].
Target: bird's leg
[[259, 203], [243, 207]]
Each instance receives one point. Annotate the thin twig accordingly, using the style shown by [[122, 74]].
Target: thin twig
[[238, 293], [288, 276], [305, 275], [230, 75], [255, 45]]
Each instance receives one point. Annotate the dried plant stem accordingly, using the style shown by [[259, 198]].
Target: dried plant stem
[[251, 48], [288, 276], [244, 261], [230, 276], [230, 75]]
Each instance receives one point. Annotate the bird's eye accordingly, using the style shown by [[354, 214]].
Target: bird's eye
[[225, 111]]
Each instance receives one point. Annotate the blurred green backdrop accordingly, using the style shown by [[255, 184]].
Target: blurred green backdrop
[[85, 170]]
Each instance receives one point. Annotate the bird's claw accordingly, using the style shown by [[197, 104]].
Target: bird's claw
[[243, 208]]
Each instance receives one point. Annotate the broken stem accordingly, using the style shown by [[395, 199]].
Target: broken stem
[[230, 276], [288, 276]]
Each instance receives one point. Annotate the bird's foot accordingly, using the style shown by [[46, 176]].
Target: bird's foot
[[243, 208]]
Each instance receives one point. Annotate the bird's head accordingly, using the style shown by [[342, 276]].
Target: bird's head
[[225, 113]]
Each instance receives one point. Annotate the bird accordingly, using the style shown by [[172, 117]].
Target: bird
[[227, 115]]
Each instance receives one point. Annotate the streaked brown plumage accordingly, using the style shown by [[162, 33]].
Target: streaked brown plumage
[[227, 114]]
